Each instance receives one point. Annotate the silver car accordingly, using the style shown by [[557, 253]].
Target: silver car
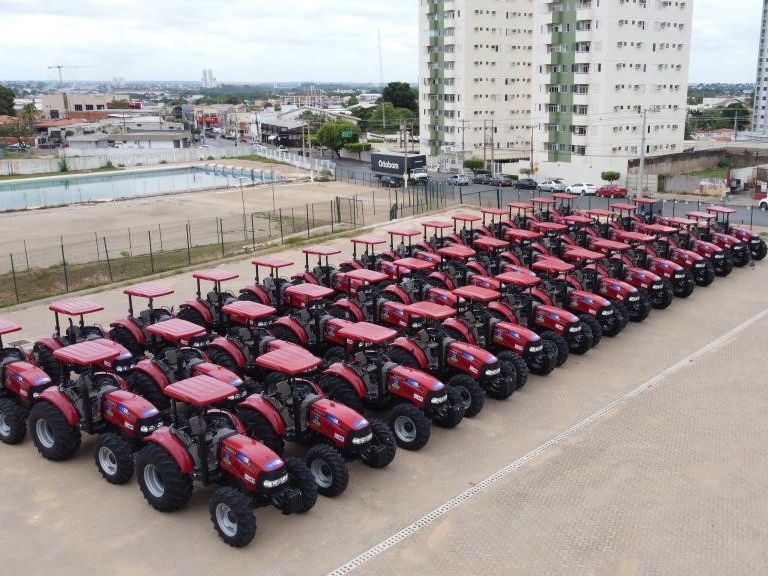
[[458, 180], [555, 185]]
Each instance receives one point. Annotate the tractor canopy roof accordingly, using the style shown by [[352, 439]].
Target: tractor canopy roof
[[489, 242], [552, 265], [367, 332], [414, 264], [720, 210], [406, 232], [542, 200], [148, 290], [643, 200], [199, 391], [430, 310], [477, 294], [630, 237], [521, 205], [604, 244], [6, 327], [563, 196], [494, 211], [659, 228], [215, 275], [464, 217], [75, 307], [583, 254], [700, 215], [677, 221], [272, 262], [321, 250], [577, 219], [519, 279], [175, 330], [601, 212], [289, 360], [312, 291], [436, 224], [624, 206], [457, 251], [521, 234], [85, 353], [549, 226], [367, 240], [366, 275], [249, 310]]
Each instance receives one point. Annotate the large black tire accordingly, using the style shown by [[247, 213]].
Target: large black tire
[[471, 393], [724, 265], [328, 469], [339, 312], [232, 517], [453, 413], [114, 458], [758, 250], [47, 363], [684, 288], [224, 359], [285, 334], [191, 315], [339, 390], [594, 326], [259, 428], [300, 478], [249, 296], [560, 343], [661, 299], [639, 311], [384, 439], [54, 438], [741, 259], [404, 358], [706, 275], [520, 366], [334, 354], [504, 384], [410, 426], [13, 422], [437, 283], [123, 336], [146, 387], [580, 342], [454, 334], [544, 362], [612, 325], [161, 480]]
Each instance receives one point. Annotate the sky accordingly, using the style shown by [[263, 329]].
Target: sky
[[297, 40]]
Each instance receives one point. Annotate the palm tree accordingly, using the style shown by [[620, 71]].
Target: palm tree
[[26, 120]]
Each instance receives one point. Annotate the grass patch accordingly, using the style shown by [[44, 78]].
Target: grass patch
[[257, 158], [716, 172], [50, 174]]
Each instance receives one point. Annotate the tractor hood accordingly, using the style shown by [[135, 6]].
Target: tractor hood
[[404, 376], [131, 413], [26, 380], [222, 374], [343, 426], [557, 314], [258, 466]]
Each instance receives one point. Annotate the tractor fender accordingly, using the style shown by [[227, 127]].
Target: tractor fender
[[132, 327], [353, 264], [352, 307], [484, 282], [258, 291], [541, 295], [503, 309], [455, 238], [294, 327], [477, 268], [568, 240], [306, 277], [423, 246], [51, 343], [230, 348], [539, 247], [510, 257], [168, 442], [398, 293], [232, 416], [153, 371], [461, 328], [201, 308], [348, 375], [483, 231], [257, 403], [573, 282], [62, 403], [443, 278], [413, 348], [389, 255]]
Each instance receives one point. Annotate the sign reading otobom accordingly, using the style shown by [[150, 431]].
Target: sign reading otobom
[[395, 164]]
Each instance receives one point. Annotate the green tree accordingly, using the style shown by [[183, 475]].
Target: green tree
[[353, 101], [119, 105], [610, 176], [335, 135], [401, 95], [362, 113], [474, 164], [6, 100], [25, 124]]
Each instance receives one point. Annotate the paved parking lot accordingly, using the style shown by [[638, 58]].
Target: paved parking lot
[[668, 480]]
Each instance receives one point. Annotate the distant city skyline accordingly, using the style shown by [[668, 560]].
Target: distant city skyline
[[318, 40]]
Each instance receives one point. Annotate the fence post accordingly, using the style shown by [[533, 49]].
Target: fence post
[[151, 257], [15, 286], [313, 214], [130, 243], [160, 233], [307, 206], [26, 254], [293, 222], [221, 223], [674, 206], [189, 239], [253, 233], [461, 196], [498, 197], [106, 254], [751, 212], [64, 263], [96, 239], [280, 215], [331, 215]]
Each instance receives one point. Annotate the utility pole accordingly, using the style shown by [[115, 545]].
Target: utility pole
[[735, 126], [462, 144], [485, 161], [493, 145], [640, 185], [405, 154], [381, 81], [532, 126]]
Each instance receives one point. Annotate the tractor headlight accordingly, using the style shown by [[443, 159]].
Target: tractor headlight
[[606, 312], [755, 241], [147, 429], [276, 482], [534, 349], [439, 399], [417, 324], [363, 439], [633, 298], [657, 286], [574, 329], [699, 265], [239, 396], [493, 371], [680, 276], [739, 247], [719, 255]]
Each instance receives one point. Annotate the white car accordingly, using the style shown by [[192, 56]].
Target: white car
[[582, 189], [458, 180], [763, 205], [555, 185]]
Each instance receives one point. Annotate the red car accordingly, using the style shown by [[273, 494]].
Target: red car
[[612, 191]]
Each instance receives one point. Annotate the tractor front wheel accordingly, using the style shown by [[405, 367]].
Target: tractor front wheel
[[661, 299], [114, 458], [543, 362], [640, 309], [450, 415], [52, 435], [232, 517], [410, 426], [259, 428], [613, 324], [741, 258], [13, 420], [560, 343], [340, 390], [329, 470], [162, 482], [502, 387], [300, 478], [580, 342], [724, 265], [758, 250], [404, 358], [521, 368], [471, 393], [684, 286], [705, 276], [383, 446], [146, 387], [594, 326], [123, 336]]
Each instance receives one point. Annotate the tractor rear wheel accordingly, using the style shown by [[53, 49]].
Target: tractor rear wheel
[[114, 458], [339, 390], [300, 478], [560, 343], [520, 366], [162, 482], [328, 469], [471, 393], [146, 387], [224, 359], [410, 426], [54, 438], [594, 326], [13, 420], [543, 362], [661, 299], [249, 296], [450, 415], [232, 517], [759, 250], [339, 312], [437, 283], [259, 428], [334, 354], [191, 315], [502, 387], [285, 334], [47, 363], [404, 358], [123, 336], [383, 439]]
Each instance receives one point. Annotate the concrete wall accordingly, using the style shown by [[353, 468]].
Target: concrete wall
[[48, 165]]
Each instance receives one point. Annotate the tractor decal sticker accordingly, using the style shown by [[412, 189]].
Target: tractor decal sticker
[[558, 326], [539, 316], [338, 437], [150, 412], [123, 409], [418, 397], [498, 334], [453, 356], [412, 383], [39, 381], [514, 335], [575, 301], [110, 412], [518, 347], [227, 458], [18, 377], [616, 287], [276, 463], [128, 425], [473, 370], [554, 316], [249, 478], [362, 423], [316, 420], [468, 356], [332, 419], [587, 299], [243, 458]]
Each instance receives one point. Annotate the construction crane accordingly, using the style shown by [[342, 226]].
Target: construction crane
[[59, 67]]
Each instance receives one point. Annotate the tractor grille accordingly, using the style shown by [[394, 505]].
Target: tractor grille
[[289, 500]]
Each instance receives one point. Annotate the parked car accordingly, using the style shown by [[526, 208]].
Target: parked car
[[458, 180], [582, 189], [480, 178], [612, 191], [16, 148], [391, 182], [500, 180], [526, 184], [554, 185]]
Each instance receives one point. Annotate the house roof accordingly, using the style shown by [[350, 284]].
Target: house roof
[[59, 123], [154, 136], [98, 137]]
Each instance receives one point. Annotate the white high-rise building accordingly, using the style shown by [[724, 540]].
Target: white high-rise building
[[208, 79], [759, 116], [569, 79]]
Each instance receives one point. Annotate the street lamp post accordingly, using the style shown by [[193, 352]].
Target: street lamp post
[[242, 200]]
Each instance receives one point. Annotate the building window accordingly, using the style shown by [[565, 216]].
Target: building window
[[89, 106], [54, 114], [78, 107]]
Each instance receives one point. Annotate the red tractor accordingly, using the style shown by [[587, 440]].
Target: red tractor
[[717, 261], [402, 250], [208, 444], [413, 277], [456, 264], [368, 377], [604, 222], [206, 312], [322, 272], [757, 246], [95, 403], [466, 233], [177, 354], [665, 252], [434, 235], [522, 244], [543, 209], [521, 218], [492, 223], [367, 259], [270, 289], [43, 349], [21, 384], [708, 232], [492, 253], [131, 332], [565, 207]]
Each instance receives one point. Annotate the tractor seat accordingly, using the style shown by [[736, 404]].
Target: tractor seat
[[243, 334], [145, 316], [73, 334], [213, 297], [269, 285]]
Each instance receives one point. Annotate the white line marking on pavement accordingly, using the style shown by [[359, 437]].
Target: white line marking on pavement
[[427, 519]]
